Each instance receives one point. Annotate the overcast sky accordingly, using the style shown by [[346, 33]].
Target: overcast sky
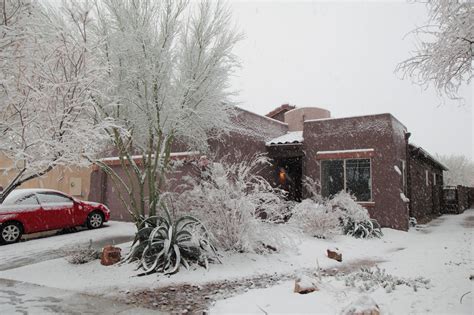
[[341, 56]]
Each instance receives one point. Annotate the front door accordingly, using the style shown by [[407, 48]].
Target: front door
[[289, 173]]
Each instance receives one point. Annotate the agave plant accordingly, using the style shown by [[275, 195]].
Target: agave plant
[[363, 229], [162, 244]]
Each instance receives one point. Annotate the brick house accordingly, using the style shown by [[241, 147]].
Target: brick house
[[369, 156]]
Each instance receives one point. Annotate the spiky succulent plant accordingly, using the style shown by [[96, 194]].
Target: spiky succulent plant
[[163, 244]]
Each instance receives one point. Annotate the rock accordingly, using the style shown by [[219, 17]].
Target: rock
[[305, 284], [110, 255], [335, 254], [364, 305]]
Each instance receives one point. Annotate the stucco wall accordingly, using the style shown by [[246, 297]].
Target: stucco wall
[[386, 136], [425, 195], [74, 180], [295, 118]]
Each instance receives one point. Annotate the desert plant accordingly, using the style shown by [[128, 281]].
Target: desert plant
[[238, 206], [368, 279], [162, 244], [316, 219], [354, 218], [82, 255]]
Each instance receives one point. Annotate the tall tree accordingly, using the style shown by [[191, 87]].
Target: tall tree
[[445, 47], [47, 81], [460, 170], [168, 65]]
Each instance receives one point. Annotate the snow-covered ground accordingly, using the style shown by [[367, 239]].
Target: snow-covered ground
[[441, 252], [52, 246]]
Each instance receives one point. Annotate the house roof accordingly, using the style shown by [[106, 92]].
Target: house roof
[[292, 137], [419, 150], [279, 109]]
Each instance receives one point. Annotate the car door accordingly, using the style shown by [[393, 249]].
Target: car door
[[29, 213], [57, 210]]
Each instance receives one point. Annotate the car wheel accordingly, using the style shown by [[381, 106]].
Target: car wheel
[[95, 220], [10, 232]]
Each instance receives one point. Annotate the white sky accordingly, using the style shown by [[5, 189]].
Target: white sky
[[341, 56]]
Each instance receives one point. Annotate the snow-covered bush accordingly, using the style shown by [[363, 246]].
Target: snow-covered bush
[[82, 255], [238, 206], [370, 279], [354, 218], [163, 244], [316, 219]]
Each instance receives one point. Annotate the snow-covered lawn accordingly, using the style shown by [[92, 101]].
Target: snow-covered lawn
[[440, 252]]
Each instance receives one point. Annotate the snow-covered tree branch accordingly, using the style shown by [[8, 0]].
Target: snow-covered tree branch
[[461, 170], [445, 47], [168, 65], [47, 118]]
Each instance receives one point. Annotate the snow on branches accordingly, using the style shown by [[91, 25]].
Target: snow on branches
[[168, 65], [446, 47], [47, 83]]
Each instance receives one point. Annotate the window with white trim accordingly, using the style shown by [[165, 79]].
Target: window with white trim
[[427, 178], [351, 175]]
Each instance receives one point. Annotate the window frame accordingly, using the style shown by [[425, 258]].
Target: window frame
[[371, 200], [38, 196], [22, 198]]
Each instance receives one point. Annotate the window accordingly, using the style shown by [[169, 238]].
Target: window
[[29, 200], [427, 178], [52, 198], [351, 175], [332, 177], [434, 179]]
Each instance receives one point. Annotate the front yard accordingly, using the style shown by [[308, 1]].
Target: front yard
[[440, 252]]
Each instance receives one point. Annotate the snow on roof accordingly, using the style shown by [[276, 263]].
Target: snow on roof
[[428, 156], [262, 116], [292, 137]]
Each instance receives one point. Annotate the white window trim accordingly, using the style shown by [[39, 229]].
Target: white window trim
[[427, 178]]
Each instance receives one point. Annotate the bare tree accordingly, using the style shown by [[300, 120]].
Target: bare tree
[[47, 83], [461, 170], [168, 65], [445, 47]]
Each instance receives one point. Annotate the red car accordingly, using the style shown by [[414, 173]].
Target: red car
[[27, 211]]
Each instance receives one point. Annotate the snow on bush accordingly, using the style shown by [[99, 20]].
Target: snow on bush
[[354, 218], [163, 244], [370, 279], [325, 218], [239, 207], [316, 219], [82, 255]]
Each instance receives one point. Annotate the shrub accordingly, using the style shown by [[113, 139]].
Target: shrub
[[324, 218], [82, 255], [354, 218], [239, 207], [316, 219], [163, 244], [370, 279]]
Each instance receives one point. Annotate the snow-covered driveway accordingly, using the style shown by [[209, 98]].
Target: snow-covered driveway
[[23, 297], [53, 246]]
